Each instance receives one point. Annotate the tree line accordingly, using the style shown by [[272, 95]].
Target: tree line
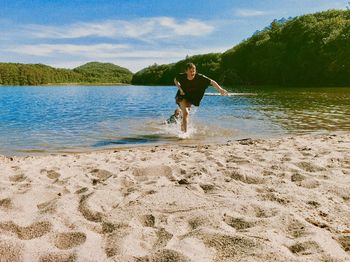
[[39, 74]]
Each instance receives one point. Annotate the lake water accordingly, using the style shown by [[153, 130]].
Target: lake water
[[79, 118]]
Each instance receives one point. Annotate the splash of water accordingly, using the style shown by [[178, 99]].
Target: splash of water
[[174, 129], [198, 130]]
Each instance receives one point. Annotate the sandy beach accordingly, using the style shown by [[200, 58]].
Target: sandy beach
[[281, 199]]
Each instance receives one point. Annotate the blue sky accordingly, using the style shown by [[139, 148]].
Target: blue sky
[[135, 33]]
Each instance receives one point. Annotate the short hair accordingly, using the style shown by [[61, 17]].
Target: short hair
[[190, 66]]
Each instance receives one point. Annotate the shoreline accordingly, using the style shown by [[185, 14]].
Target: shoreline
[[107, 149], [179, 143], [73, 84], [87, 84], [280, 199]]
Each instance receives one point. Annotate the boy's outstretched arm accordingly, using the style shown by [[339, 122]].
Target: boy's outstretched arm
[[222, 91]]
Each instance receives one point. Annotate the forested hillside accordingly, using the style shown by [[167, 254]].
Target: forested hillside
[[38, 74], [104, 73], [308, 50], [312, 49]]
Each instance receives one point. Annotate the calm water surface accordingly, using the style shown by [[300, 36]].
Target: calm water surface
[[77, 118]]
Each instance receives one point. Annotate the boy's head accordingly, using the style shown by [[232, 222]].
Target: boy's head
[[191, 70]]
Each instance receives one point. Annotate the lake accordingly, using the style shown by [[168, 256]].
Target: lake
[[80, 118]]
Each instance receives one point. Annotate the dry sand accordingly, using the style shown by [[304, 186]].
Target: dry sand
[[285, 199]]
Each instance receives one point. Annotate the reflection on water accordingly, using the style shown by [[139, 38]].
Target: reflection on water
[[301, 110], [52, 119]]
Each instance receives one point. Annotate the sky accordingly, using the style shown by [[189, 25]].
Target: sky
[[135, 33]]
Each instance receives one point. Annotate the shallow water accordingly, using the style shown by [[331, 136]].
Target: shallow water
[[78, 118]]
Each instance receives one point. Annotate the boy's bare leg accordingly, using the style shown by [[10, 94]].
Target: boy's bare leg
[[185, 108]]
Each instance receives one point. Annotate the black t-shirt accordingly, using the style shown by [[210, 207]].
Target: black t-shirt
[[194, 89]]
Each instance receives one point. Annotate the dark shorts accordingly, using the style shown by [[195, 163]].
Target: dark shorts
[[179, 98]]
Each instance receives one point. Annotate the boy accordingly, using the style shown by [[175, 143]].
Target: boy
[[191, 91]]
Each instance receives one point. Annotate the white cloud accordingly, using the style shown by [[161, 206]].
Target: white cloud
[[98, 50], [190, 27], [251, 13], [142, 28], [75, 31], [105, 51], [70, 56], [164, 40]]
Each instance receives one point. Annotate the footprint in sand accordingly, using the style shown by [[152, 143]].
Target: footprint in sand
[[52, 174], [218, 163], [264, 212], [164, 255], [303, 181], [297, 177], [245, 178], [208, 188], [15, 168], [58, 257], [48, 206], [147, 220], [69, 240], [108, 227], [198, 221], [261, 210], [309, 183], [86, 211], [144, 173], [237, 160], [114, 234], [101, 175], [163, 238], [81, 190], [24, 188], [227, 247], [268, 172], [17, 178], [345, 164], [275, 197], [296, 229], [237, 223], [10, 251], [6, 203], [344, 241], [305, 248], [309, 167], [35, 230], [313, 203]]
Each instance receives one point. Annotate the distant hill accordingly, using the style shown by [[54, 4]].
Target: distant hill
[[104, 73], [35, 74], [312, 49], [39, 74]]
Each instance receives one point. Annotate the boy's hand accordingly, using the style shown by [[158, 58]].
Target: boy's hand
[[223, 92]]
